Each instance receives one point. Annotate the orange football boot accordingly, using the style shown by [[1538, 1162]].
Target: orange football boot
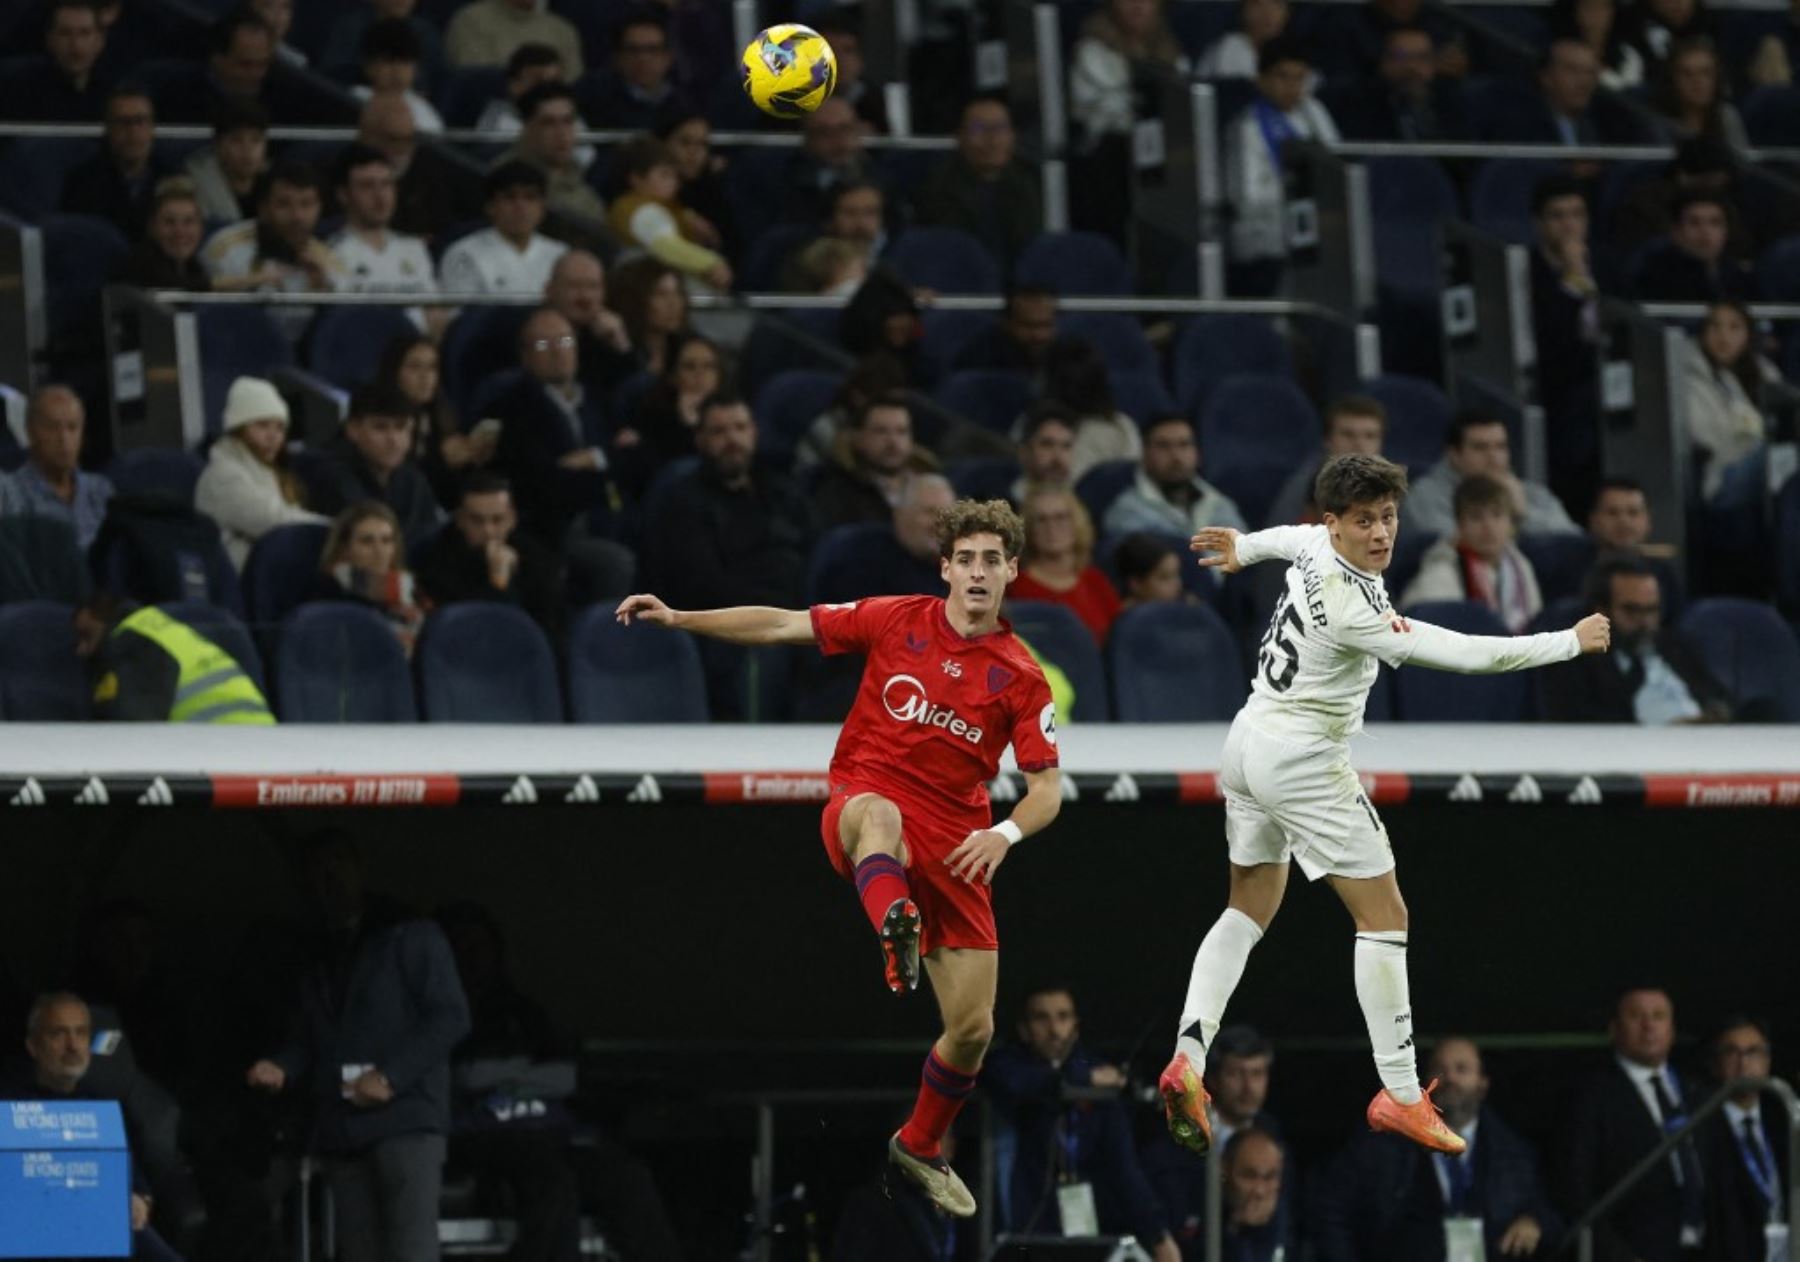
[[1184, 1104], [1421, 1122]]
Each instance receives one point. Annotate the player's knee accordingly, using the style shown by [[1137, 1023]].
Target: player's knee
[[971, 1034], [881, 822]]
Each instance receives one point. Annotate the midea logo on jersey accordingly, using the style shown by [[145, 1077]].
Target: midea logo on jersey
[[905, 699]]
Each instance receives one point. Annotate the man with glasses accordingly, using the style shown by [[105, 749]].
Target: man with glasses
[[641, 84], [116, 183], [832, 152], [508, 256], [983, 188], [1744, 1152], [548, 144]]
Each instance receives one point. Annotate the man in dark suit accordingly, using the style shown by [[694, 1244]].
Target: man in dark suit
[[1622, 1113], [1413, 102], [66, 84], [1743, 1150], [1573, 110], [483, 555], [641, 85], [1386, 1199], [116, 184]]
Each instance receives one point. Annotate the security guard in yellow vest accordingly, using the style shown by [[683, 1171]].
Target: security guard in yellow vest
[[156, 669]]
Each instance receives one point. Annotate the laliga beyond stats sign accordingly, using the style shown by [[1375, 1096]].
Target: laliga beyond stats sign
[[65, 1180]]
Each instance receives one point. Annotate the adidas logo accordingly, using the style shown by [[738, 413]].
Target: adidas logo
[[93, 793], [522, 793], [1002, 789], [158, 794], [645, 790], [585, 790], [1526, 791], [31, 793], [1070, 792], [1586, 793], [1468, 789], [1124, 789]]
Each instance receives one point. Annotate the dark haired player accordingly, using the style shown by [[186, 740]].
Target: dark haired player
[[946, 688]]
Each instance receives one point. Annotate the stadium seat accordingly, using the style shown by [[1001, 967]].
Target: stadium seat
[[1502, 109], [992, 400], [1060, 637], [1253, 432], [463, 92], [786, 340], [486, 663], [1561, 562], [1778, 271], [340, 662], [81, 253], [161, 470], [1407, 198], [282, 565], [1210, 348], [1500, 196], [786, 406], [945, 259], [1751, 652], [636, 674], [223, 629], [1102, 484], [1423, 695], [41, 678], [235, 342], [984, 477], [1418, 418], [1772, 116], [1409, 550], [1119, 338], [1142, 396], [841, 565], [766, 262], [33, 170], [1174, 664], [345, 344], [1073, 263], [480, 343], [946, 334]]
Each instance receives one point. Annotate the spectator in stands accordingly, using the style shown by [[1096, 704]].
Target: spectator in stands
[[1169, 496], [670, 411], [1481, 562], [843, 29], [1233, 55], [370, 461], [649, 298], [1117, 43], [1478, 443], [529, 65], [228, 173], [882, 316], [487, 32], [1046, 449], [1723, 380], [547, 143], [390, 63], [1085, 1148], [169, 255], [1384, 1198], [430, 198], [1777, 54], [278, 16], [873, 376], [118, 183], [67, 83], [1057, 565], [688, 136], [1415, 103], [832, 152], [378, 1012], [1240, 1064], [1623, 1112], [51, 483], [365, 561], [1355, 424], [1743, 1150], [1149, 570], [375, 258], [509, 256], [855, 214], [730, 533], [241, 51], [151, 668], [829, 267], [1078, 378], [277, 252], [875, 457], [409, 369], [1018, 341], [484, 555], [1653, 675], [1598, 24], [914, 566], [1695, 263], [246, 487], [983, 188], [1690, 96], [1657, 26], [641, 83], [1572, 110], [577, 292], [344, 49], [1364, 30], [1565, 313], [1283, 111], [1620, 518], [649, 214]]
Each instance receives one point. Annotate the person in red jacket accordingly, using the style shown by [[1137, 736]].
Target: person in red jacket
[[1058, 565]]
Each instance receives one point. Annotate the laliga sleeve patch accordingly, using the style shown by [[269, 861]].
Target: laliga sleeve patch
[[1047, 721]]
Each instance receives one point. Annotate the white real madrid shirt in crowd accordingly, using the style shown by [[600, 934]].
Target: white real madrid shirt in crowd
[[487, 263], [242, 248], [384, 263]]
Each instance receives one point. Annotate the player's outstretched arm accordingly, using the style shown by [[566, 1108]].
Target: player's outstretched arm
[[1222, 548], [744, 624], [982, 850], [1424, 644]]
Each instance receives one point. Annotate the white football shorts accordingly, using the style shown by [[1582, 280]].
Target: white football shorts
[[1286, 801]]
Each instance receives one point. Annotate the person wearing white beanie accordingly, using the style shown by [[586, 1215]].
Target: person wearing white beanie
[[245, 486]]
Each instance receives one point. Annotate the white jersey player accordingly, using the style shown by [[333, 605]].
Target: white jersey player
[[1291, 794]]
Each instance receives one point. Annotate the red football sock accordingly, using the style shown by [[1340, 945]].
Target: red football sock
[[880, 879], [942, 1090]]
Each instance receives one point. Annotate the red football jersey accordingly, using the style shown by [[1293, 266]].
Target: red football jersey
[[935, 710]]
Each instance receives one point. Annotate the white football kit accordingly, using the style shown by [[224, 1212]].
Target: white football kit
[[1289, 789]]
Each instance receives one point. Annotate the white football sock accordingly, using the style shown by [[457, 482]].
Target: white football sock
[[1218, 967], [1386, 1002]]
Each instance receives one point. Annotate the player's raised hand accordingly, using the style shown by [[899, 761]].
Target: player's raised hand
[[1221, 542], [1595, 633], [980, 853], [646, 608]]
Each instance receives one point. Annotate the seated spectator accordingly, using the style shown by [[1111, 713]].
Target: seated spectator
[[1117, 44], [1254, 1168], [278, 251], [829, 267], [1087, 1150], [1565, 321], [1019, 341], [430, 196], [670, 411], [343, 56], [1046, 450], [1364, 31], [882, 317], [640, 85], [278, 16], [730, 533], [246, 487], [483, 555], [169, 255], [914, 566], [547, 144], [1619, 520], [1743, 1150], [228, 173], [1722, 380], [1572, 110], [1355, 424], [487, 32], [1384, 1198], [118, 183], [1415, 103], [1057, 565], [1653, 675], [875, 458], [577, 292], [1478, 443], [1233, 55], [240, 55], [1690, 96], [873, 376], [842, 28], [51, 483], [648, 213], [1283, 111], [832, 152], [1169, 496], [855, 216], [509, 256], [375, 258], [1701, 164], [1480, 562], [1078, 378], [409, 371], [390, 63], [1655, 27], [364, 561], [1599, 25], [67, 83], [983, 188], [1149, 570], [370, 461], [1777, 56], [687, 135], [530, 65], [648, 296]]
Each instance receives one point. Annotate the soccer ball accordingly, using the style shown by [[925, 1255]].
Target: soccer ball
[[789, 70]]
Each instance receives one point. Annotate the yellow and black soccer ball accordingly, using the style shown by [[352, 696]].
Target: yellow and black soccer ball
[[789, 70]]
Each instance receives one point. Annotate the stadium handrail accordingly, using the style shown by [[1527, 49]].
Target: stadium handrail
[[468, 135]]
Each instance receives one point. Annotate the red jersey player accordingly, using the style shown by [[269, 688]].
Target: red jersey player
[[946, 688]]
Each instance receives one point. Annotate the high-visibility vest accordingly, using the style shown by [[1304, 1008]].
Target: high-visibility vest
[[211, 686]]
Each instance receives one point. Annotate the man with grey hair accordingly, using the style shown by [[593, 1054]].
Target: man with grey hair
[[577, 292], [51, 483]]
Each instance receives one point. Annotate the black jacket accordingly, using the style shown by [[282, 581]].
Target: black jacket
[[1606, 122], [1735, 1209], [844, 497], [536, 435], [713, 546], [1610, 1131], [39, 92], [1367, 112], [1667, 273], [1593, 688], [96, 188], [1004, 213], [343, 478], [451, 571]]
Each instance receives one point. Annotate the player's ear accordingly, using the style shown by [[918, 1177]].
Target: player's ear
[[1012, 569], [944, 568]]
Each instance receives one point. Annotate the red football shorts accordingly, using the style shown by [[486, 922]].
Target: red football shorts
[[955, 912]]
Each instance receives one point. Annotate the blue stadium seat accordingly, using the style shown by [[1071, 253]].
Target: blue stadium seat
[[1073, 263], [946, 259], [1142, 396], [1772, 116], [766, 261], [340, 662], [1433, 696], [463, 92], [841, 566], [1119, 338], [1409, 550], [992, 400], [1418, 418], [223, 629], [1561, 562], [1787, 546], [1778, 271], [1060, 637], [1751, 652], [345, 344], [1210, 348], [235, 342], [1407, 198], [1102, 484], [480, 343], [281, 566], [1174, 664], [33, 170], [984, 477], [1500, 196], [166, 470], [786, 406], [785, 342], [946, 334], [1503, 108], [81, 253], [1253, 432], [486, 663], [636, 674], [41, 678]]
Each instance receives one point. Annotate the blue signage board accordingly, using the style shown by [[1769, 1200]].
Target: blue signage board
[[65, 1180]]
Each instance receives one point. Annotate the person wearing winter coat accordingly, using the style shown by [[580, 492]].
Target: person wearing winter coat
[[246, 487]]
